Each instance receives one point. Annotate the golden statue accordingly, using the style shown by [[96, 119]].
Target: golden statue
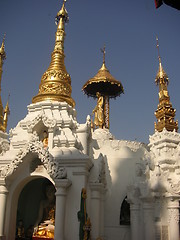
[[46, 229], [98, 111], [45, 139], [20, 230], [46, 215]]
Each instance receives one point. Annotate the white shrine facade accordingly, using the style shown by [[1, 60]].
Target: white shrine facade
[[132, 189]]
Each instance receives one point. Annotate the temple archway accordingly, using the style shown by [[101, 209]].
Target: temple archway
[[28, 206]]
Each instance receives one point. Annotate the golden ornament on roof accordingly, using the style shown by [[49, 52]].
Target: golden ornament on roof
[[56, 82], [165, 113], [107, 87], [103, 82]]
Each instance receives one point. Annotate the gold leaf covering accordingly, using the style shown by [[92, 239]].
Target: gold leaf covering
[[56, 82], [165, 113], [104, 83], [2, 58]]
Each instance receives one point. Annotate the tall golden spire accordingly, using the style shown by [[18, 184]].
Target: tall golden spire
[[2, 58], [56, 82], [165, 113]]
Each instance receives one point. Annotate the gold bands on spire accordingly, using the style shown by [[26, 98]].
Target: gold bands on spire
[[165, 113], [3, 123], [6, 114], [56, 82]]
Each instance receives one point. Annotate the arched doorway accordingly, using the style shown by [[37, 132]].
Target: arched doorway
[[125, 213], [29, 203]]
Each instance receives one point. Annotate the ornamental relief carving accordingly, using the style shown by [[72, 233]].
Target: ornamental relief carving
[[148, 159], [161, 136], [60, 74], [174, 186], [55, 88], [173, 214], [4, 146], [102, 170], [49, 123], [53, 168]]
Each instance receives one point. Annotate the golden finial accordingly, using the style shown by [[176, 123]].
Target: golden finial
[[2, 58], [56, 82], [103, 50], [6, 114], [62, 14], [158, 49], [165, 113], [161, 74]]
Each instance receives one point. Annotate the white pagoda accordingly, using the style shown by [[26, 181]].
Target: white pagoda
[[101, 188]]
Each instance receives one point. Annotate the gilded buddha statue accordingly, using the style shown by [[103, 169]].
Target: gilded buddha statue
[[45, 223], [45, 139]]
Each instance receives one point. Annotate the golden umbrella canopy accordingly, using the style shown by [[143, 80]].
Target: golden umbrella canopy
[[105, 84]]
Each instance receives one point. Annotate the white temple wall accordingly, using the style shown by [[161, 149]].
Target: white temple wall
[[120, 173]]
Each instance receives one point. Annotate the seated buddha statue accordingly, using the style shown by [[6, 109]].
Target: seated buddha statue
[[46, 228], [45, 139], [45, 223]]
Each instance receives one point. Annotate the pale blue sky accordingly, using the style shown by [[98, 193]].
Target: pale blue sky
[[127, 28]]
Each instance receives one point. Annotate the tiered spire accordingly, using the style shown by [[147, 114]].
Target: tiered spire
[[56, 82], [165, 113], [3, 122]]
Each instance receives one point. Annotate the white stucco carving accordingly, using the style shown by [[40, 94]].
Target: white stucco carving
[[4, 143], [29, 125], [4, 146], [35, 146]]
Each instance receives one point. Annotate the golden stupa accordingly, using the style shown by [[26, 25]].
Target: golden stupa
[[103, 86], [165, 113], [56, 82]]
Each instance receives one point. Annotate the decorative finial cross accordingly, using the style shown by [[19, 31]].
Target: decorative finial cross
[[103, 50], [158, 49], [64, 2], [62, 14]]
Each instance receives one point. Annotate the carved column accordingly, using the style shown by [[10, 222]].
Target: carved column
[[149, 226], [3, 197], [96, 189], [135, 221], [61, 192], [173, 210]]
